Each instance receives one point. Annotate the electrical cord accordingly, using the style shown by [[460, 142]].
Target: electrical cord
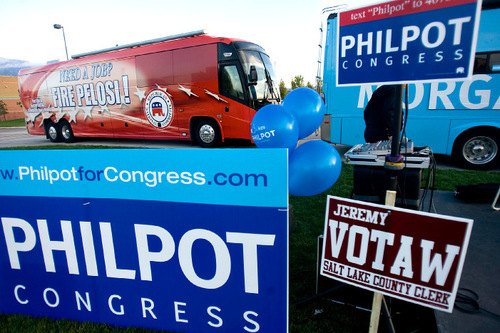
[[405, 116], [401, 189], [430, 183], [431, 176], [467, 301]]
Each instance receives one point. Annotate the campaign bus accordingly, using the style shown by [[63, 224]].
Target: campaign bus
[[190, 86], [458, 118]]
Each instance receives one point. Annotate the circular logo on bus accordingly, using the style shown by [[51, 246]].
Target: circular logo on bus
[[159, 108]]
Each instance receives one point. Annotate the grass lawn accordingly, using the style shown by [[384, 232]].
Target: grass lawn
[[318, 315], [13, 123]]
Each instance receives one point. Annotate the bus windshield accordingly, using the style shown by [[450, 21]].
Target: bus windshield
[[265, 90]]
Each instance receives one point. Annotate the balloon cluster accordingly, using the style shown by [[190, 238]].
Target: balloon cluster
[[315, 165]]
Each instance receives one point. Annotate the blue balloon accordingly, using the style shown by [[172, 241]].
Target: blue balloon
[[274, 127], [314, 167], [307, 107]]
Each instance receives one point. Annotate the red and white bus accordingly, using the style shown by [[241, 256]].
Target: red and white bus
[[184, 87]]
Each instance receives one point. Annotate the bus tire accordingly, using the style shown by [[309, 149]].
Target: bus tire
[[66, 132], [52, 132], [207, 133], [477, 149]]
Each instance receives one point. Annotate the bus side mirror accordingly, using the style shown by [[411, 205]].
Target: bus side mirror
[[253, 76]]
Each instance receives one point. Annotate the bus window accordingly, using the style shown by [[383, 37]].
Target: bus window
[[155, 68], [480, 63], [265, 90], [251, 58], [231, 83], [485, 63], [494, 62]]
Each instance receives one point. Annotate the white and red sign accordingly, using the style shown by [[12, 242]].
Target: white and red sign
[[411, 255]]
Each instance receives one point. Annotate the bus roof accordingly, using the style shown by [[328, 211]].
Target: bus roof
[[146, 42], [134, 49]]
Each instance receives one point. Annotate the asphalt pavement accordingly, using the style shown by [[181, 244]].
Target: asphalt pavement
[[477, 308]]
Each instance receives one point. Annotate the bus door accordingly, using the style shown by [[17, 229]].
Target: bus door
[[235, 113]]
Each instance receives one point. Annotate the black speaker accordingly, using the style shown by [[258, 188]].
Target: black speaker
[[371, 183]]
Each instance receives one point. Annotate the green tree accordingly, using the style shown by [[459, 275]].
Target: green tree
[[319, 87], [309, 85], [283, 89], [3, 110], [297, 82]]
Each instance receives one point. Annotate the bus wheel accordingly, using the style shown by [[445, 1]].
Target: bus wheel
[[477, 149], [208, 133], [52, 131], [66, 132]]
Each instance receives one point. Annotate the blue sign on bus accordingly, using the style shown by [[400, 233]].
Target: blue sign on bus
[[406, 41], [458, 118]]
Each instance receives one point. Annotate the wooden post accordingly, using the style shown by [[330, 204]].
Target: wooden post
[[390, 200]]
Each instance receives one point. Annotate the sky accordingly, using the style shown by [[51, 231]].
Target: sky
[[289, 30]]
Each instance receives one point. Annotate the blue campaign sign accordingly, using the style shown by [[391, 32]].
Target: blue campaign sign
[[178, 240], [407, 41]]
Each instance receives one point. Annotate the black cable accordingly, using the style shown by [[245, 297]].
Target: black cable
[[319, 295], [467, 301], [426, 188], [405, 116], [430, 182], [402, 189], [434, 171]]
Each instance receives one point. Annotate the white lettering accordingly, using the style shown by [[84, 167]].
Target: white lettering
[[418, 96], [88, 248], [381, 238], [67, 245], [435, 93], [363, 251], [14, 247], [20, 286], [441, 29], [109, 255], [347, 43], [211, 314], [222, 258], [337, 240], [458, 22], [178, 312], [46, 297], [86, 302], [368, 43], [147, 308], [483, 94], [145, 256], [253, 322], [388, 38], [410, 33], [250, 243], [436, 264], [145, 236], [121, 312], [403, 259]]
